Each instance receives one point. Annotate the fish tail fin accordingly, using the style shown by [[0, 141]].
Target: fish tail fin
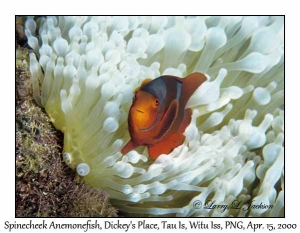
[[191, 84], [165, 146], [187, 120], [128, 147]]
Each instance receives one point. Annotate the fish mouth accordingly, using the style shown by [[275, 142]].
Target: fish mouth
[[139, 110]]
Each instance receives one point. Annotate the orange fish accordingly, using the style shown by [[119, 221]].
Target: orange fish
[[157, 117]]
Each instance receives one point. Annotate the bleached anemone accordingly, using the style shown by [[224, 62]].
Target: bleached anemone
[[84, 71]]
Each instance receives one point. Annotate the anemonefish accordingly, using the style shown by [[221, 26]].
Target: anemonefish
[[157, 117]]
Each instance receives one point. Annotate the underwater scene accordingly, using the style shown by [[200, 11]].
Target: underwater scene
[[169, 115]]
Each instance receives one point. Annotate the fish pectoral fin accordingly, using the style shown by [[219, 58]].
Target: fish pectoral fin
[[165, 146], [128, 147], [168, 119], [187, 120]]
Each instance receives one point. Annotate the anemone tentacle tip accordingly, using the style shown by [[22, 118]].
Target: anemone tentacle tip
[[83, 169]]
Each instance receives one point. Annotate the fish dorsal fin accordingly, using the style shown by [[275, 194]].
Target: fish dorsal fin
[[190, 85], [168, 119], [144, 83]]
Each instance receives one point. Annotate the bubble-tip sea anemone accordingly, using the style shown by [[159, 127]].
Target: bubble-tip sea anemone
[[84, 71]]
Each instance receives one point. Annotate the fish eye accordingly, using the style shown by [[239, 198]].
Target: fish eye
[[156, 102]]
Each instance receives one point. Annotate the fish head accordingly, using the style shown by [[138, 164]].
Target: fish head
[[144, 110]]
